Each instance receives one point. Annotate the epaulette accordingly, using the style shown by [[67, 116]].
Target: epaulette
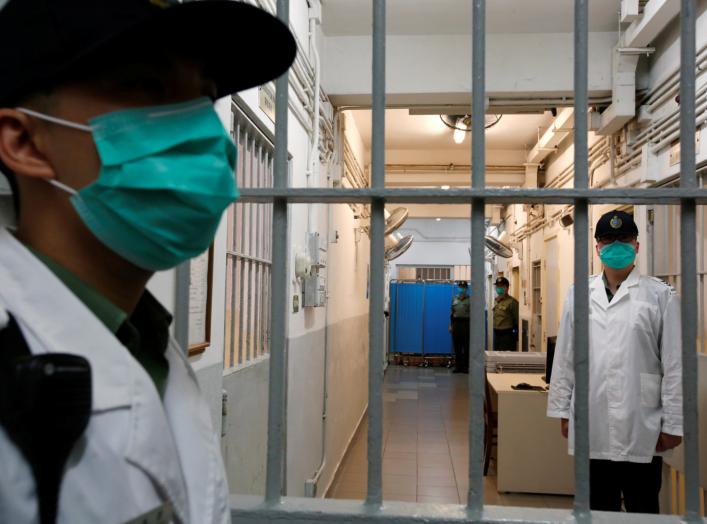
[[663, 283]]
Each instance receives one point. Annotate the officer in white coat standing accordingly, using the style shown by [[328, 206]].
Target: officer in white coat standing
[[119, 167], [635, 373]]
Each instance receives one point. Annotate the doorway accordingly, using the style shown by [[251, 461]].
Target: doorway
[[537, 323]]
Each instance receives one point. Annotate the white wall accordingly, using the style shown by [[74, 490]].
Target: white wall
[[347, 338], [310, 331], [437, 69], [444, 243]]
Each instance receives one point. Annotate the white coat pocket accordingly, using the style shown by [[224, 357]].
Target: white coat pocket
[[650, 390]]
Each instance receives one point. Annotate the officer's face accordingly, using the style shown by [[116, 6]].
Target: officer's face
[[36, 150]]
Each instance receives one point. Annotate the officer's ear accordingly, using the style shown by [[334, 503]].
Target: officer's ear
[[19, 150]]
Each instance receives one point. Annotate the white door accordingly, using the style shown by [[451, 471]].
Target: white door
[[552, 276]]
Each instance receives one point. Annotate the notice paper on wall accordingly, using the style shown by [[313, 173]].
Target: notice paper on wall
[[198, 299]]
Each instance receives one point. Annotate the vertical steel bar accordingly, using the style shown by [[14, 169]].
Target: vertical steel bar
[[234, 291], [240, 248], [252, 225], [581, 264], [232, 246], [477, 321], [276, 400], [375, 365], [688, 179], [257, 287], [241, 310], [263, 236]]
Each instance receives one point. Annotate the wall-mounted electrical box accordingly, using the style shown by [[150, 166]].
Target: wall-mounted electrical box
[[315, 284]]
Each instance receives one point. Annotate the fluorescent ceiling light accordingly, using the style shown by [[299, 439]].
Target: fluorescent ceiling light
[[459, 136]]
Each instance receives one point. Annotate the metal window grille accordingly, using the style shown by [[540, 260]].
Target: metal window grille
[[664, 221], [433, 273], [274, 507], [249, 249]]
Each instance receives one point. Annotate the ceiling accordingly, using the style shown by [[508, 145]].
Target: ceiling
[[453, 17], [404, 131]]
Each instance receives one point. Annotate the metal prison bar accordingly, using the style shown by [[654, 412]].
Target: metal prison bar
[[248, 509]]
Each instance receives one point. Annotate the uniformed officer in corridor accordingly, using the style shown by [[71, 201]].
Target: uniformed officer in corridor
[[505, 318], [635, 374], [460, 328]]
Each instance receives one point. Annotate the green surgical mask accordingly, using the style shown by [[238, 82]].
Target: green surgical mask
[[618, 255], [167, 175], [500, 290]]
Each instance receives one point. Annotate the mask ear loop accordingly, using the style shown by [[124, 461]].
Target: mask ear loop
[[55, 120], [62, 186], [61, 122]]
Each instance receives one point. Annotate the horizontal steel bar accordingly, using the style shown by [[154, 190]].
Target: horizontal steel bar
[[245, 508], [673, 195], [241, 256]]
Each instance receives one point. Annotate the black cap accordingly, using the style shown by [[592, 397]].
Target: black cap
[[502, 281], [41, 41], [614, 224]]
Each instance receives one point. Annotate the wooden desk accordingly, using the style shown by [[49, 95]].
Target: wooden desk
[[532, 454]]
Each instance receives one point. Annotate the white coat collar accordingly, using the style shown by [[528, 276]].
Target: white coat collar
[[598, 288], [49, 315]]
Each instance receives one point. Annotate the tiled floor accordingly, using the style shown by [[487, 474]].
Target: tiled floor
[[425, 453]]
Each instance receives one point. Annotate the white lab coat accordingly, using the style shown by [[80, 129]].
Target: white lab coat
[[139, 452], [635, 368]]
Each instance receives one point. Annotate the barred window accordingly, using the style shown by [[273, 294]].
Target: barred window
[[248, 255]]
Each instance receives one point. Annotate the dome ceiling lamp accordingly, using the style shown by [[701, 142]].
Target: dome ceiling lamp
[[461, 124]]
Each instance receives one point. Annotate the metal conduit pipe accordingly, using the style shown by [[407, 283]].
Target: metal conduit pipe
[[625, 159], [596, 164], [354, 168], [669, 86], [666, 141], [666, 121], [672, 79], [312, 484], [661, 121], [673, 122], [313, 168], [626, 168], [313, 152], [302, 77], [450, 168], [566, 174]]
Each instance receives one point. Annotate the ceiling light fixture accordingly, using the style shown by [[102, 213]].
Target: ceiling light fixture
[[461, 124], [444, 187], [459, 132]]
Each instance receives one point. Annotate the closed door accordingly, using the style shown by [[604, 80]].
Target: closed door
[[552, 275]]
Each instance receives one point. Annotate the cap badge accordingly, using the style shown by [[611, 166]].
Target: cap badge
[[616, 222]]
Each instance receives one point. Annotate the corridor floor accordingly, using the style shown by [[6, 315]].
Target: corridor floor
[[425, 453]]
